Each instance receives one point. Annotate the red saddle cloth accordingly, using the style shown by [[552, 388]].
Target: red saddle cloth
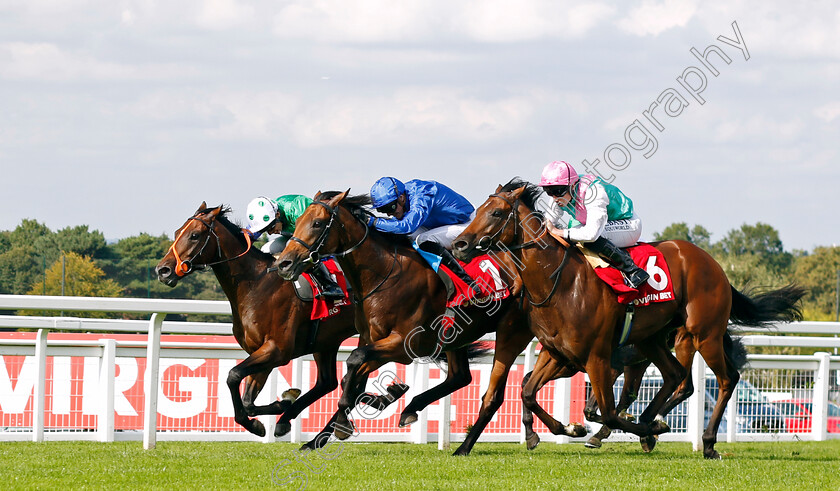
[[485, 271], [323, 308], [657, 289]]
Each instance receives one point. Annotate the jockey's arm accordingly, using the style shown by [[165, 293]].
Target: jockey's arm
[[596, 216], [418, 211]]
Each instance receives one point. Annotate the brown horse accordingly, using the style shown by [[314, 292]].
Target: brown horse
[[576, 316], [400, 301], [269, 321]]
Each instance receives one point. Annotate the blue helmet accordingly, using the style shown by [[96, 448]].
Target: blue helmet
[[385, 191]]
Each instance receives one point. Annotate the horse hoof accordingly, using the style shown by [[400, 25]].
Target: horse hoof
[[282, 429], [460, 453], [627, 416], [306, 447], [255, 426], [397, 390], [711, 455], [648, 442], [341, 431], [593, 443], [407, 418], [659, 426], [532, 441], [575, 430], [290, 395]]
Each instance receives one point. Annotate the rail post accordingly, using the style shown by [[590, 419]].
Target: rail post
[[39, 396], [697, 403], [819, 413], [152, 382], [107, 372]]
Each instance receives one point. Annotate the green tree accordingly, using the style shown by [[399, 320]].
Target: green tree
[[760, 240], [818, 272], [81, 278], [697, 235]]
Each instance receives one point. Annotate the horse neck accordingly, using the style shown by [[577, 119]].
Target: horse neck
[[370, 262], [540, 262], [239, 276]]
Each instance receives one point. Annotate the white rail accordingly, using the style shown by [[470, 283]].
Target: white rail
[[107, 350]]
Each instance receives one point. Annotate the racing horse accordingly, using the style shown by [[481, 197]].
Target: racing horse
[[400, 301], [576, 316], [269, 321]]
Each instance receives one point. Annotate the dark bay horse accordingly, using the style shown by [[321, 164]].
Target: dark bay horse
[[269, 321], [400, 301], [576, 317]]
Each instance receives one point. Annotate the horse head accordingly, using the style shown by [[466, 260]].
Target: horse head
[[497, 223], [196, 246], [317, 234]]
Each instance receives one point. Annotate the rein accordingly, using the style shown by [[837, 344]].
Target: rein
[[314, 249], [184, 267], [544, 228]]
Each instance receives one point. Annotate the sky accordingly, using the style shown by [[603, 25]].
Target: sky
[[124, 115]]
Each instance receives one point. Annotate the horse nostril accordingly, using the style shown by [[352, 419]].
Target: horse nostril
[[459, 245], [163, 272], [284, 265]]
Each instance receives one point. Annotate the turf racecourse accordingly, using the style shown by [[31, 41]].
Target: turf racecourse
[[198, 465]]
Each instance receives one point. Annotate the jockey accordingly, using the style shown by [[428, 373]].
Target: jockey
[[602, 217], [428, 212], [277, 219]]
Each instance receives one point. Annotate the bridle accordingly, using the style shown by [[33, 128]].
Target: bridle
[[184, 267], [315, 248], [516, 226], [491, 240]]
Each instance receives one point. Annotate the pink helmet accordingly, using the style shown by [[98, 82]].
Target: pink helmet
[[559, 173]]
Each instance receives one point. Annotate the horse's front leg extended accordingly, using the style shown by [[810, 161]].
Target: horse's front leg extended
[[263, 359], [546, 369], [326, 382]]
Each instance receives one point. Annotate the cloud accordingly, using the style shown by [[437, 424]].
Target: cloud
[[48, 62], [828, 112], [759, 127], [653, 18], [376, 21], [224, 14]]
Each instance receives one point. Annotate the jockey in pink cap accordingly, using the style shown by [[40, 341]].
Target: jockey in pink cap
[[602, 216]]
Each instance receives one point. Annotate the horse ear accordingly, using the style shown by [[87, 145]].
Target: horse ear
[[499, 189], [516, 193], [338, 198], [201, 207], [315, 198]]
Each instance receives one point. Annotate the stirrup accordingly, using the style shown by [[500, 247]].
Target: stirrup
[[330, 291], [635, 278]]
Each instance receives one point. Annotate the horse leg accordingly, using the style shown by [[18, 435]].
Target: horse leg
[[673, 373], [633, 375], [326, 382], [532, 439], [263, 359], [727, 378], [457, 376], [323, 436], [508, 347], [361, 362], [546, 369], [684, 350]]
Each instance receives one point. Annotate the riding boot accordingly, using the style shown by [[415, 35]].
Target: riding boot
[[323, 279], [634, 276], [449, 260]]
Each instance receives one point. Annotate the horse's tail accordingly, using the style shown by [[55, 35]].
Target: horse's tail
[[735, 351], [478, 349], [766, 308]]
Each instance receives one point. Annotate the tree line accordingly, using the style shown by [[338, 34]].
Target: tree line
[[36, 260]]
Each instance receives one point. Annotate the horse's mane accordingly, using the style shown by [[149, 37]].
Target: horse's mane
[[530, 196], [357, 206], [224, 218]]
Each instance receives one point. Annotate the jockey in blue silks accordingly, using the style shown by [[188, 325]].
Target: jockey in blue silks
[[427, 211]]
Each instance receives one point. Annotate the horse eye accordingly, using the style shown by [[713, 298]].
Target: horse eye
[[497, 213], [317, 224], [193, 236]]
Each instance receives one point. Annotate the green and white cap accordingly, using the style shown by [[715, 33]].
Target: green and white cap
[[261, 213]]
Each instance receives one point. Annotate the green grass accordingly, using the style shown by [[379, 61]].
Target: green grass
[[190, 465]]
